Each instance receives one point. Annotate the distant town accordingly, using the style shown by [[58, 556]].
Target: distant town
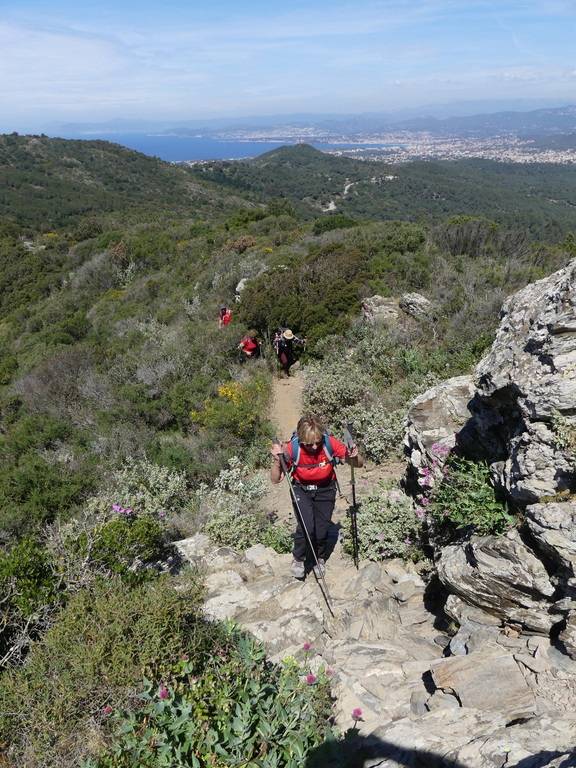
[[406, 146]]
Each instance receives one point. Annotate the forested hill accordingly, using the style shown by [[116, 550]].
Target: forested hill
[[537, 198], [54, 182]]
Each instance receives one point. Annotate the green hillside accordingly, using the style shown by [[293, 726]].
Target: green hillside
[[540, 199], [50, 183]]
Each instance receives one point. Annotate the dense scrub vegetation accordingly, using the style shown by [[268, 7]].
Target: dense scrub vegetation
[[536, 198], [127, 421]]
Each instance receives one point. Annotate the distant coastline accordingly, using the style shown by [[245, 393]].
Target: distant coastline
[[174, 148]]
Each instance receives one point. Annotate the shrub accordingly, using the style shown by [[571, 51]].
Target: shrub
[[279, 537], [238, 408], [387, 527], [241, 710], [145, 487], [232, 510], [380, 432], [95, 655], [565, 433], [336, 221], [330, 391], [29, 589], [27, 566], [124, 544], [464, 498]]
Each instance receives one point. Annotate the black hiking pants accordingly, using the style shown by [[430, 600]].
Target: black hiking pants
[[316, 507]]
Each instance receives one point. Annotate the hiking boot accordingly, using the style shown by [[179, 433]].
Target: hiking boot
[[297, 568], [320, 569]]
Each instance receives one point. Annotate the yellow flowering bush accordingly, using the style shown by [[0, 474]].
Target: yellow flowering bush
[[237, 407]]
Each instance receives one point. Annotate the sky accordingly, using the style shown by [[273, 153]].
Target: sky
[[85, 61]]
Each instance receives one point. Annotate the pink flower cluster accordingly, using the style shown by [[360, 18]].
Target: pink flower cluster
[[427, 477], [125, 511], [356, 714], [310, 679]]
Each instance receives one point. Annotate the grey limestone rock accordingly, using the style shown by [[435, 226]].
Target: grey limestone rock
[[378, 309], [416, 305], [501, 576], [527, 378], [436, 417], [553, 526]]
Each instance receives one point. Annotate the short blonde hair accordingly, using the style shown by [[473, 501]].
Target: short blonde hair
[[310, 429]]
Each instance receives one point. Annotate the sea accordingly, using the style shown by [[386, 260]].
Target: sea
[[174, 148]]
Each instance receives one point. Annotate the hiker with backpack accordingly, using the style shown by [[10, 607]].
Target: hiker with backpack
[[283, 343], [310, 457], [249, 346], [224, 316]]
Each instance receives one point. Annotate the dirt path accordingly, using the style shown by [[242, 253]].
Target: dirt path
[[286, 409]]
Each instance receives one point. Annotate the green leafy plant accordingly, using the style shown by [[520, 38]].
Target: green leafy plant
[[240, 710], [565, 432], [464, 497]]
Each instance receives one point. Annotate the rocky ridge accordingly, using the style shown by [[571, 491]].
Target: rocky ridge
[[487, 697]]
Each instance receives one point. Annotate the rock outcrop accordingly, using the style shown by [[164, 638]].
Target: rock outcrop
[[501, 576], [519, 415], [527, 379], [506, 700], [379, 309], [416, 305]]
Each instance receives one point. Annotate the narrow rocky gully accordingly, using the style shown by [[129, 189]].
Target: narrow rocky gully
[[488, 688]]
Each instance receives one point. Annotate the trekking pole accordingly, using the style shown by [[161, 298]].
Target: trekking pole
[[354, 508], [318, 570]]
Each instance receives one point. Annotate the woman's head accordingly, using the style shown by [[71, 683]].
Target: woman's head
[[310, 430]]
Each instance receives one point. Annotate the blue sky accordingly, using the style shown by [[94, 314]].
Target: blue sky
[[174, 60]]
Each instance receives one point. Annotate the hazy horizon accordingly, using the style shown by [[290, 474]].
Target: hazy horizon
[[97, 62]]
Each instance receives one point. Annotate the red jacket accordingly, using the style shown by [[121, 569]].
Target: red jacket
[[249, 345], [320, 474]]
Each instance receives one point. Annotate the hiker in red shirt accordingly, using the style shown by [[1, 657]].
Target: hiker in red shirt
[[225, 316], [249, 346], [310, 458]]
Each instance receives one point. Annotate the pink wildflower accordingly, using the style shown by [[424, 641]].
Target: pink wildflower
[[407, 541], [107, 710], [117, 507], [330, 673], [420, 512], [424, 501], [307, 647], [356, 714], [163, 692], [310, 679]]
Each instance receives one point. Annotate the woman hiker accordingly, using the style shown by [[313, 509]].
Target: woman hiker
[[284, 341], [310, 458], [249, 346], [224, 316]]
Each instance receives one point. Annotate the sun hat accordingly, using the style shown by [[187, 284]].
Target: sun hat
[[288, 334]]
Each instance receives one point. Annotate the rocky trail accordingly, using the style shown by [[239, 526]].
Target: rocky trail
[[473, 664], [479, 699]]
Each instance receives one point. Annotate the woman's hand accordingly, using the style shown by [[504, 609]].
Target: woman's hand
[[276, 451]]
